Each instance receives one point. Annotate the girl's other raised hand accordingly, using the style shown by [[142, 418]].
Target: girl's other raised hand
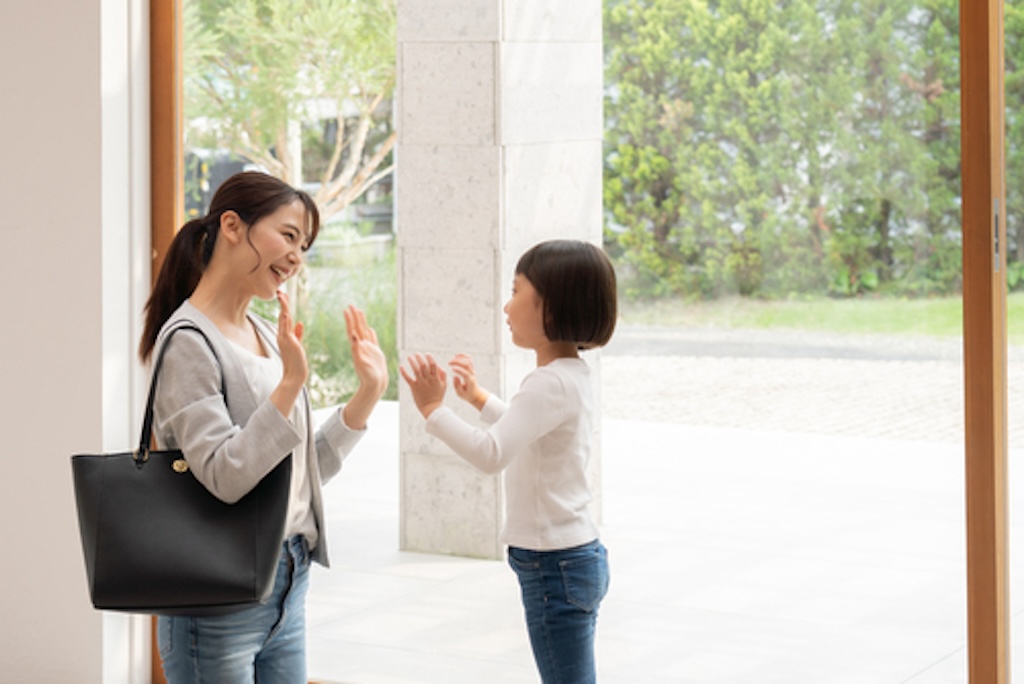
[[464, 381], [427, 381]]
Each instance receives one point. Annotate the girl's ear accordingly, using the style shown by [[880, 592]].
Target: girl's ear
[[232, 227]]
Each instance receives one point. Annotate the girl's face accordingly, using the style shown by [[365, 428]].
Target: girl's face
[[525, 314], [278, 238]]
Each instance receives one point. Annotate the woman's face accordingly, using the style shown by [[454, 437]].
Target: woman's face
[[525, 314], [278, 238]]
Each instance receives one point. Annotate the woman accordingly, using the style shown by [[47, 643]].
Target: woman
[[236, 407]]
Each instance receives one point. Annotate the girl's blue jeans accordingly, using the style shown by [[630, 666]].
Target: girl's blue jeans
[[561, 594], [265, 643]]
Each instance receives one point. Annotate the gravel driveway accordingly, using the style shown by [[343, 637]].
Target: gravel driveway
[[793, 381]]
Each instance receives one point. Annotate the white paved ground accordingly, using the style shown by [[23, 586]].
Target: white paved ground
[[791, 519]]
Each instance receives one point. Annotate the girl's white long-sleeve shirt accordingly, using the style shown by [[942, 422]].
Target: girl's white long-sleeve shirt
[[542, 440]]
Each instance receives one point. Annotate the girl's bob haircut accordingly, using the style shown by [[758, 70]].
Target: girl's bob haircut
[[577, 283]]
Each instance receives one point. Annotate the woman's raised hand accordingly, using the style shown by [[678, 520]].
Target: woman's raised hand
[[293, 359]]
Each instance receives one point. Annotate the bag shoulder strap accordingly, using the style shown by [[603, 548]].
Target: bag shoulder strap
[[142, 453]]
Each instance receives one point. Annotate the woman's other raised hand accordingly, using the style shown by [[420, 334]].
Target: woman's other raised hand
[[371, 368]]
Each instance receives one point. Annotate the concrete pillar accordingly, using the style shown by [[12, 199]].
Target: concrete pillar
[[499, 113]]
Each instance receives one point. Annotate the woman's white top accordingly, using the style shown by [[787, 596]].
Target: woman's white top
[[264, 374], [542, 440]]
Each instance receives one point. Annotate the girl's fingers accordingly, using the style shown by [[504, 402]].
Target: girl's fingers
[[401, 371], [422, 367], [414, 365]]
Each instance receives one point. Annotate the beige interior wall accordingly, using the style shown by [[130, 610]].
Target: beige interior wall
[[68, 114]]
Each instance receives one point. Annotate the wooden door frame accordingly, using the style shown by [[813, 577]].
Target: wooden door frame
[[166, 115], [166, 111], [984, 296], [982, 149]]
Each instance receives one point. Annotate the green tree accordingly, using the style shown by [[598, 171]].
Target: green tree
[[895, 215], [935, 262], [706, 185], [257, 70], [265, 79], [772, 148]]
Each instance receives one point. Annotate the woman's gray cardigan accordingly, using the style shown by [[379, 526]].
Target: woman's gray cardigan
[[231, 442]]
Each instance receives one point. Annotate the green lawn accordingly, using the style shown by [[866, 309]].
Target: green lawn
[[936, 317]]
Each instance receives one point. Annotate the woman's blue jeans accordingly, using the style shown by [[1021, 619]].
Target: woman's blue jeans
[[265, 644], [561, 594]]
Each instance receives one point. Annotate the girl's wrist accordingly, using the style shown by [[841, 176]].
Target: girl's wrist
[[480, 398], [428, 408]]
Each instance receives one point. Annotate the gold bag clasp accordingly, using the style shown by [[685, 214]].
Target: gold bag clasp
[[179, 465]]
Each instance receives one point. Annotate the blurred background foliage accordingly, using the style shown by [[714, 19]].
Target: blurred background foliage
[[770, 149], [755, 151]]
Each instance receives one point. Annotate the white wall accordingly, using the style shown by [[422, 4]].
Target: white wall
[[68, 177]]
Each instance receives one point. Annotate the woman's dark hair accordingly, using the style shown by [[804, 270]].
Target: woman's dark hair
[[250, 194], [577, 283]]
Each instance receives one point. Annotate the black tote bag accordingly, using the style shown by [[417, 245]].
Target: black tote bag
[[157, 541]]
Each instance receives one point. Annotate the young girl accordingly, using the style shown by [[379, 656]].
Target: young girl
[[236, 407], [563, 300]]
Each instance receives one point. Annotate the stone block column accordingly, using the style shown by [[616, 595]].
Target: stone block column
[[499, 114]]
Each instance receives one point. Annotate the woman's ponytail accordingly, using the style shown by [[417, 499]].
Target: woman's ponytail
[[183, 265]]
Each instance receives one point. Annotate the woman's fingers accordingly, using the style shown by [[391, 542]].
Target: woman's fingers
[[355, 321], [284, 314]]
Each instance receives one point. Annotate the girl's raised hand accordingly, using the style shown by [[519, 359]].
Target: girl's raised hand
[[289, 341], [427, 381], [464, 381]]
